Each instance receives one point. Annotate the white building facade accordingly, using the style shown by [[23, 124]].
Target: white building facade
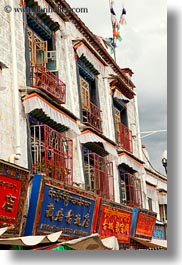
[[67, 110]]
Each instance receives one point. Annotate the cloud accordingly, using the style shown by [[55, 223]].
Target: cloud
[[144, 50]]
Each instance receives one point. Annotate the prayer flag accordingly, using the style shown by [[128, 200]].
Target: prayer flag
[[115, 24]]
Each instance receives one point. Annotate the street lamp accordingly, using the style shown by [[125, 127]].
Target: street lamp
[[164, 160]]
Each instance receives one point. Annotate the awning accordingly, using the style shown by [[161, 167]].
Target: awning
[[111, 242], [162, 185], [34, 101], [3, 230], [82, 50], [162, 199], [119, 95], [31, 240], [91, 242], [90, 137], [125, 159], [151, 179], [152, 193], [153, 243], [39, 20]]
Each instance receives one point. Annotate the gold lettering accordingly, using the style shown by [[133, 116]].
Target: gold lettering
[[77, 220], [59, 215], [5, 218], [66, 198], [86, 220], [9, 203], [50, 211], [69, 216]]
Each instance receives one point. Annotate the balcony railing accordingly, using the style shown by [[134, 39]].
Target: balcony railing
[[130, 190], [99, 175], [92, 116], [124, 137], [46, 81], [51, 153]]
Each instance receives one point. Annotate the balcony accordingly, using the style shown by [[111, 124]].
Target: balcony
[[51, 153], [130, 190], [124, 137], [92, 116], [47, 82], [99, 175]]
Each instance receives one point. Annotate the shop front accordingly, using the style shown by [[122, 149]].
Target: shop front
[[14, 182], [115, 220], [143, 228], [58, 207]]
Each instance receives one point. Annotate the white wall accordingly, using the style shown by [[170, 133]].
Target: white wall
[[7, 106]]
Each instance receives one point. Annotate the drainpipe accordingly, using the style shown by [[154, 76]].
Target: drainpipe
[[138, 128], [109, 108], [16, 156], [67, 62]]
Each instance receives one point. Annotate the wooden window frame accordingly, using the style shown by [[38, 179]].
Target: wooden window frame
[[36, 44]]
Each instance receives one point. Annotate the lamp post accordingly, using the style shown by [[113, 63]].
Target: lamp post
[[164, 160]]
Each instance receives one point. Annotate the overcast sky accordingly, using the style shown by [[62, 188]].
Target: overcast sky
[[143, 49]]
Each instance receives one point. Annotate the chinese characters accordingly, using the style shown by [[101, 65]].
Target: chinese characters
[[145, 224], [115, 222], [69, 216], [9, 193], [66, 211]]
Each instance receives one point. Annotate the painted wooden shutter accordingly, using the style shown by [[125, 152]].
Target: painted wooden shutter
[[85, 94], [117, 119]]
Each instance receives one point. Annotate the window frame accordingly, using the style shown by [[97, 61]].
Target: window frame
[[130, 185], [49, 154], [100, 180]]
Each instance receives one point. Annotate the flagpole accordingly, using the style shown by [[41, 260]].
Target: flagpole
[[114, 38]]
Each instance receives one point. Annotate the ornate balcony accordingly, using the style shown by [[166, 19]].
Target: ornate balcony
[[99, 175], [47, 82], [51, 153], [92, 116], [130, 190], [124, 137]]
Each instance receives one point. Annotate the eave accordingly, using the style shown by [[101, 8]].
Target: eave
[[71, 16]]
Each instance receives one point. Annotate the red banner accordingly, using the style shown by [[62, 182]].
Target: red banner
[[145, 224], [115, 222], [9, 198]]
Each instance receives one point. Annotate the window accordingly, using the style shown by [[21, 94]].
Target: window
[[163, 212], [51, 152], [150, 204], [91, 113], [123, 134], [117, 119], [130, 189], [98, 173], [85, 94], [37, 49], [42, 67]]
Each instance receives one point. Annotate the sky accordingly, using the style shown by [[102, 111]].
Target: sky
[[143, 49]]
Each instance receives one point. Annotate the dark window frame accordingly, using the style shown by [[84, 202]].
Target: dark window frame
[[98, 174]]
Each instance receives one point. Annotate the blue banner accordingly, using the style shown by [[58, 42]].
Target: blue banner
[[37, 180], [62, 210], [134, 220], [158, 232]]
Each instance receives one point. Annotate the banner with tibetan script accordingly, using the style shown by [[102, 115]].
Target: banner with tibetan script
[[115, 221], [60, 207], [145, 225], [13, 192]]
